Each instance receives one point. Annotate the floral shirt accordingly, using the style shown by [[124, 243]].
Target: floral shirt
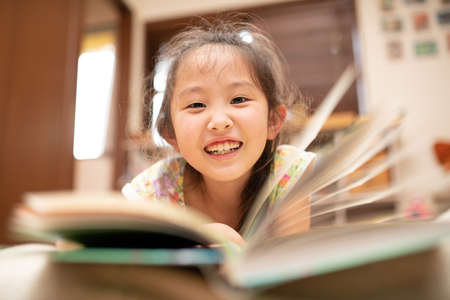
[[164, 179]]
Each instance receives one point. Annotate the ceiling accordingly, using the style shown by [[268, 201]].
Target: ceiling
[[153, 10]]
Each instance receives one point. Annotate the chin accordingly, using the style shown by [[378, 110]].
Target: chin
[[226, 176]]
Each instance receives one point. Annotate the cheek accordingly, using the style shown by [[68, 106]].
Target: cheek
[[190, 127], [259, 121], [185, 130]]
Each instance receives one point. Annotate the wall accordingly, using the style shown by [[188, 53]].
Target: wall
[[418, 84]]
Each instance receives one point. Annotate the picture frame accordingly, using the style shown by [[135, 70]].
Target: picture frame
[[425, 48], [448, 41], [392, 24], [443, 17], [386, 5], [394, 49], [415, 1], [420, 21]]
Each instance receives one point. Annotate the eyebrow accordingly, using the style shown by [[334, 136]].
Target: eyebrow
[[234, 84], [190, 90], [242, 83]]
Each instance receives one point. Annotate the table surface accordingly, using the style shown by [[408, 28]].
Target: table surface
[[26, 272]]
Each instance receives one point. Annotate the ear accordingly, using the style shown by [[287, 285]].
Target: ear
[[170, 138], [276, 121]]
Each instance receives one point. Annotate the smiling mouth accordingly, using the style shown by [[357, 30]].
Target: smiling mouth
[[223, 148]]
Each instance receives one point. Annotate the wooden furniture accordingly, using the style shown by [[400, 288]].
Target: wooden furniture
[[39, 49], [38, 65]]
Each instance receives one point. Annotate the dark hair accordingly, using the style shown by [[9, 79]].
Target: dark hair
[[268, 69]]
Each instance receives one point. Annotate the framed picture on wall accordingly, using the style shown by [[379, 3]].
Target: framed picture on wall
[[448, 42], [394, 50], [420, 21], [415, 1], [386, 5], [443, 16], [425, 48], [392, 24]]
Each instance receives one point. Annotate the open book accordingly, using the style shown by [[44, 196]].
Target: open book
[[114, 230]]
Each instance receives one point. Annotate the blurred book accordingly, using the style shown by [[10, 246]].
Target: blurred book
[[113, 230]]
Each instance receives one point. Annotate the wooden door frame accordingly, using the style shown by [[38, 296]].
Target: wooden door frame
[[122, 78], [38, 67]]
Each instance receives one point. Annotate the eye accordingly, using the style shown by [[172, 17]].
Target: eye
[[196, 105], [239, 100]]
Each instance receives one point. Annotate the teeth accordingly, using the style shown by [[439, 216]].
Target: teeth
[[223, 148]]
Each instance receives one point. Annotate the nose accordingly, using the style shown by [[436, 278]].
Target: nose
[[220, 121]]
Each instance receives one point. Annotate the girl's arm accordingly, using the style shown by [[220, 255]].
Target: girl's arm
[[226, 231]]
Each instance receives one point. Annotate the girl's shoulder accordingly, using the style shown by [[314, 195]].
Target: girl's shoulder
[[163, 181]]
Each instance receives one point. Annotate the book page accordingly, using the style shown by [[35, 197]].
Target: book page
[[344, 157], [108, 219], [331, 249], [304, 138]]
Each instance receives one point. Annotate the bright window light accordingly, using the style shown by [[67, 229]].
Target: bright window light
[[159, 84], [156, 108], [161, 71], [93, 98]]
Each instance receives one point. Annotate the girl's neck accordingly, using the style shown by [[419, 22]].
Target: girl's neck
[[219, 200]]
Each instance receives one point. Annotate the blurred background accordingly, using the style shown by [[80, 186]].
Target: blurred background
[[72, 114]]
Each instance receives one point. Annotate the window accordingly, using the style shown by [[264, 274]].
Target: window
[[93, 96]]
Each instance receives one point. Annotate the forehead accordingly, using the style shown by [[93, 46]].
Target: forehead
[[214, 59]]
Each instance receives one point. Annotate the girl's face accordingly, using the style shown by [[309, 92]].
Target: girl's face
[[219, 114]]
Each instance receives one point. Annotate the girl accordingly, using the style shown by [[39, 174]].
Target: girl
[[225, 102]]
